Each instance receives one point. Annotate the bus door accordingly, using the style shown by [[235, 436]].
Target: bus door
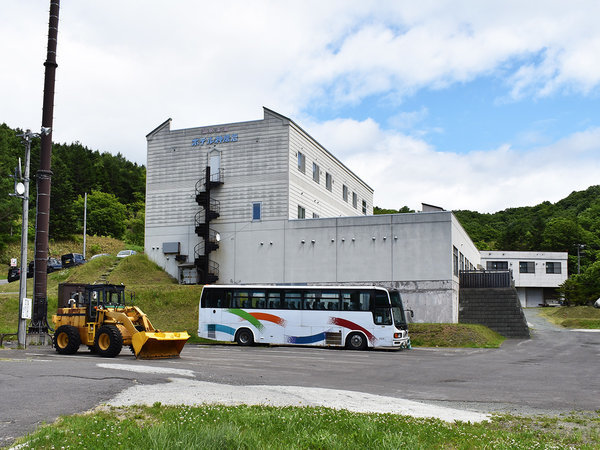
[[213, 302], [382, 311]]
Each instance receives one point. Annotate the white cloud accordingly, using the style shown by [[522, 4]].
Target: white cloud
[[404, 170], [124, 67]]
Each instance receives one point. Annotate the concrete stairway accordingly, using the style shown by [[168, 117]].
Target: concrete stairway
[[496, 308]]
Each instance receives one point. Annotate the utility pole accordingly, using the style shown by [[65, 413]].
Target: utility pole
[[22, 192], [84, 222], [39, 322], [579, 247]]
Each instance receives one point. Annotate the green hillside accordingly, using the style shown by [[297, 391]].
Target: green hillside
[[170, 306]]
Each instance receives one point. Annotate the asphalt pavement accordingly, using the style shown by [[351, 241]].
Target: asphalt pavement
[[554, 372]]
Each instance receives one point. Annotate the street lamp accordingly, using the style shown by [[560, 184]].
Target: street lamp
[[22, 192], [579, 247]]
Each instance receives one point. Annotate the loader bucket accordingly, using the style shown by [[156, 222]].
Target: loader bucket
[[156, 345]]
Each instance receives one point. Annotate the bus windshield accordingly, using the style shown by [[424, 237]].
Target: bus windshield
[[398, 310]]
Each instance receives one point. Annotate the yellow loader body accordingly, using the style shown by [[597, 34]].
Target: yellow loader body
[[106, 327]]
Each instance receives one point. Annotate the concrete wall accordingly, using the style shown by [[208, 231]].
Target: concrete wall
[[411, 252]]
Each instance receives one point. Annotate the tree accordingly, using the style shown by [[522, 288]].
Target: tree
[[404, 209], [584, 288], [106, 216], [561, 234]]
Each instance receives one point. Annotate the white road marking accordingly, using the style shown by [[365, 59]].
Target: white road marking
[[147, 369]]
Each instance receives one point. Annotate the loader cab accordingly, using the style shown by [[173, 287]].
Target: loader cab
[[103, 296]]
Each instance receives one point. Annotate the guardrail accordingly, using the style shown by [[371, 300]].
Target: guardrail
[[485, 278]]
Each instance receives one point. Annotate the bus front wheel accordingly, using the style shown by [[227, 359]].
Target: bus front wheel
[[244, 337], [356, 341]]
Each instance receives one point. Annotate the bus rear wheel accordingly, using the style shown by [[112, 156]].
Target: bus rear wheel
[[356, 341], [244, 337]]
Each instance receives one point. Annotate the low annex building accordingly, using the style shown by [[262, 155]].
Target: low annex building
[[263, 202], [536, 275]]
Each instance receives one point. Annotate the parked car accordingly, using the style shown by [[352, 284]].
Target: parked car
[[72, 259], [53, 265], [99, 255], [14, 273], [125, 253]]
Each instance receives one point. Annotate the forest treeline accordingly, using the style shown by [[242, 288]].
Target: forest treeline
[[116, 199], [115, 186], [569, 225]]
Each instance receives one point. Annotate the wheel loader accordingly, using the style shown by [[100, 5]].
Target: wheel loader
[[96, 315]]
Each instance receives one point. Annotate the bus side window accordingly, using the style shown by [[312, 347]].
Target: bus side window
[[330, 300], [240, 300], [258, 299], [274, 301], [382, 313], [293, 300], [346, 301]]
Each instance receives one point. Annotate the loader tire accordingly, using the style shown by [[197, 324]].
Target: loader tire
[[66, 340], [109, 341]]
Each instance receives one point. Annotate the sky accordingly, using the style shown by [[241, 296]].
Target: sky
[[480, 105]]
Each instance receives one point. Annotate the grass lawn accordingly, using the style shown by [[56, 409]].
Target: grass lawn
[[261, 427], [453, 335], [586, 317]]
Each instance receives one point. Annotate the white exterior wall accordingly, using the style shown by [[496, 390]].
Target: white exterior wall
[[410, 252], [315, 197], [538, 279], [257, 167], [530, 286]]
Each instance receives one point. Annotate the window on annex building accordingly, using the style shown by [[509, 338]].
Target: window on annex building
[[256, 211], [526, 267], [315, 216], [328, 181], [315, 172], [496, 265], [301, 212], [455, 261], [553, 267], [364, 207], [345, 192], [354, 200], [301, 162]]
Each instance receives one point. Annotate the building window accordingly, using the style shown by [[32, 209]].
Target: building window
[[328, 181], [315, 172], [256, 210], [462, 262], [345, 192], [354, 200], [315, 216], [364, 207], [301, 212], [301, 162], [553, 267], [496, 265], [455, 260], [526, 267]]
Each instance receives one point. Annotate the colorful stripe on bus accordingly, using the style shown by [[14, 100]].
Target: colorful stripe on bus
[[255, 317]]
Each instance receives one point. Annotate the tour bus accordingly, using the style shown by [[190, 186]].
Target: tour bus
[[355, 317]]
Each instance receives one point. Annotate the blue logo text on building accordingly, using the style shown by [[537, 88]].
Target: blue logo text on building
[[214, 140]]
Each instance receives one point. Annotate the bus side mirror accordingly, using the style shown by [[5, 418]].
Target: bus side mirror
[[412, 313]]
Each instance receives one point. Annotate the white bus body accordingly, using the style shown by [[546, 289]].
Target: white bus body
[[356, 317]]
